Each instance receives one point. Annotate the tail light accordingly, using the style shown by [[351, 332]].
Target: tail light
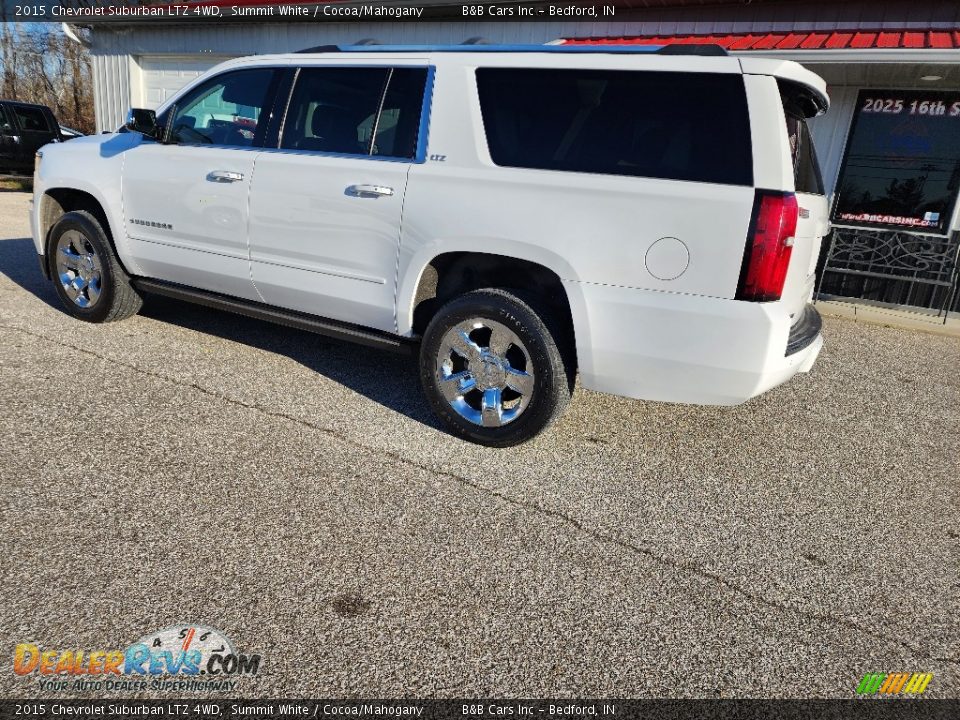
[[769, 245]]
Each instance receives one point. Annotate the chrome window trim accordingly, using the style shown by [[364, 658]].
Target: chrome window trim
[[286, 109], [376, 120], [321, 153]]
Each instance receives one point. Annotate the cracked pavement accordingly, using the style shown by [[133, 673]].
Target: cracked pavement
[[294, 492]]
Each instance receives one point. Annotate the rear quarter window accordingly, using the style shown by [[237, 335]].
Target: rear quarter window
[[806, 168], [670, 125]]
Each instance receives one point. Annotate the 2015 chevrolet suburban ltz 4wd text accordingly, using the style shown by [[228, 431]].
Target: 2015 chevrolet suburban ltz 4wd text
[[650, 218]]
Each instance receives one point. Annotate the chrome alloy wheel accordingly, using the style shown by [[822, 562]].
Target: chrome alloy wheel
[[485, 372], [79, 268]]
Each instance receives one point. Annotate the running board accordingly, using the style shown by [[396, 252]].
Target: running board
[[290, 318]]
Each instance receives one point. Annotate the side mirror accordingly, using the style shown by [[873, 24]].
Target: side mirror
[[143, 122]]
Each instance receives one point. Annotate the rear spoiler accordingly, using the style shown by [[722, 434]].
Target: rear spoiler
[[813, 88]]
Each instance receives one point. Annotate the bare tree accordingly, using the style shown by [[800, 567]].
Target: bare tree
[[40, 64], [9, 57]]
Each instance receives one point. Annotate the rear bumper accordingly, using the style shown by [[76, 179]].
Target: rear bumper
[[680, 348], [805, 331]]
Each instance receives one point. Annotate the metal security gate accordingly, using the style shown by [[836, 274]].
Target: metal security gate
[[892, 266]]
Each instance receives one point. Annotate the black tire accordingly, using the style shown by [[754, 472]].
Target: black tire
[[117, 300], [542, 337]]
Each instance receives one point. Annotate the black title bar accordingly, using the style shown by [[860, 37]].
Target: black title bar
[[88, 12]]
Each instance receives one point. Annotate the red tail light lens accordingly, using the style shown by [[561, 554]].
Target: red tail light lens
[[767, 254]]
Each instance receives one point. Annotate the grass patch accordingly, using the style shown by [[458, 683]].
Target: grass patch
[[16, 184]]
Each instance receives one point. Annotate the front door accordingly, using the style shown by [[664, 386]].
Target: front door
[[37, 128], [185, 202], [325, 206], [30, 129]]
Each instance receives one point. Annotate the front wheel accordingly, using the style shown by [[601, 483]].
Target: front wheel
[[89, 280], [492, 369]]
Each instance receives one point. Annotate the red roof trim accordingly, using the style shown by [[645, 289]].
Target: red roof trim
[[889, 39], [791, 41], [814, 41], [914, 40], [911, 39], [940, 40], [838, 40], [864, 40]]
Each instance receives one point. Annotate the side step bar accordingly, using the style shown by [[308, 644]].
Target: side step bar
[[290, 318]]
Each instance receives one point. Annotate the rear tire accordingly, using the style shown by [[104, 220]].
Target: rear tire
[[87, 276], [492, 369]]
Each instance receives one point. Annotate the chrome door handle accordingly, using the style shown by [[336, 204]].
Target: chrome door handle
[[369, 191], [224, 176]]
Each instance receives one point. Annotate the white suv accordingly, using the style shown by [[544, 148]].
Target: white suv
[[648, 217]]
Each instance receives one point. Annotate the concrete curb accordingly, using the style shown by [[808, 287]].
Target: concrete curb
[[889, 317]]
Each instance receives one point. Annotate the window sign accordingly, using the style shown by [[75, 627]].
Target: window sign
[[902, 164]]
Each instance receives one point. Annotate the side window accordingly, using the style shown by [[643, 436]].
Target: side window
[[356, 111], [31, 119], [399, 123], [6, 124], [333, 109], [806, 168], [672, 125], [225, 110]]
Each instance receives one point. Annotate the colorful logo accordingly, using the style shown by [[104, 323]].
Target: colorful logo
[[894, 683], [184, 651]]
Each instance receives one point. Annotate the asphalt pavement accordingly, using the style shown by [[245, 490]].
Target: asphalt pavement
[[294, 492]]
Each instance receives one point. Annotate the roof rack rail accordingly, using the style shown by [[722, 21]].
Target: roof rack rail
[[478, 45], [703, 49], [320, 49]]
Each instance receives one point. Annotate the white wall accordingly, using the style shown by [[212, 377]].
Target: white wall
[[111, 89]]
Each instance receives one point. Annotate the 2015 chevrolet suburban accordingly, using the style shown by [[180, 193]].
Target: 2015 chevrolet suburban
[[649, 218]]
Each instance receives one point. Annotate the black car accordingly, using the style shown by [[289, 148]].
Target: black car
[[24, 128]]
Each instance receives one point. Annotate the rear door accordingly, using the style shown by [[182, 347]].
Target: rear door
[[325, 205], [812, 223]]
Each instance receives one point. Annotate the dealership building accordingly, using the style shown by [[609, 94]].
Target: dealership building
[[889, 147]]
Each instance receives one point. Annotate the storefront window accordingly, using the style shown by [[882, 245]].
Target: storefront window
[[902, 165]]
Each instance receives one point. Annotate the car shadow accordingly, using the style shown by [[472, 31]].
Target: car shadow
[[387, 378], [18, 261]]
